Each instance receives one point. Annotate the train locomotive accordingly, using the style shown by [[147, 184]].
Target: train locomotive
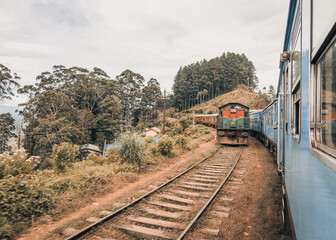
[[233, 124]]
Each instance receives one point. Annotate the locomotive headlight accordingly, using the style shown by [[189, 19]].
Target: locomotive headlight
[[221, 133], [245, 134]]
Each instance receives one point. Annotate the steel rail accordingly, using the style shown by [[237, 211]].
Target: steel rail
[[193, 221], [117, 212]]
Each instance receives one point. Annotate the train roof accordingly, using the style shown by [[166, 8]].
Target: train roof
[[206, 115], [234, 104], [274, 101], [256, 111], [286, 46]]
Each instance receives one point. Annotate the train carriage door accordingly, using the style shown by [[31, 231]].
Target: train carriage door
[[283, 118]]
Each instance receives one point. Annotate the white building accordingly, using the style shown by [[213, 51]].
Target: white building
[[152, 132]]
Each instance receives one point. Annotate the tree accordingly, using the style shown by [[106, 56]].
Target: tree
[[108, 120], [8, 81], [50, 120], [151, 96], [7, 126], [85, 123], [271, 93], [130, 86], [73, 96]]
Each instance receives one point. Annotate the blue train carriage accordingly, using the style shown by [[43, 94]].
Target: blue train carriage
[[306, 115], [256, 123], [233, 124], [270, 126]]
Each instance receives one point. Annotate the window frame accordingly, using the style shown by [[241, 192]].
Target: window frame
[[296, 86], [318, 102], [324, 153]]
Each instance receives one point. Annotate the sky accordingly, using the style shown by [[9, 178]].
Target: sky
[[150, 37]]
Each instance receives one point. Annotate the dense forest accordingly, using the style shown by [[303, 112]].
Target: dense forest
[[81, 106], [205, 80]]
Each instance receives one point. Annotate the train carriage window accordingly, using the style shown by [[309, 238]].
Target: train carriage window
[[323, 82], [296, 76], [326, 73]]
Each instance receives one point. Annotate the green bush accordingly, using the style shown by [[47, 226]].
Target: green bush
[[64, 155], [165, 146], [84, 180], [20, 200], [185, 123], [131, 150], [154, 150], [12, 165], [97, 159], [196, 132], [112, 155], [181, 142], [173, 132], [6, 229]]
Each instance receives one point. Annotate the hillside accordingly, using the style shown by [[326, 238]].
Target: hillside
[[208, 79], [242, 94]]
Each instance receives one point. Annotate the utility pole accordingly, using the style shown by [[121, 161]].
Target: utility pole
[[193, 116], [19, 135], [19, 140], [164, 112]]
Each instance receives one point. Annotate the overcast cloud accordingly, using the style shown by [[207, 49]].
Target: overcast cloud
[[150, 37]]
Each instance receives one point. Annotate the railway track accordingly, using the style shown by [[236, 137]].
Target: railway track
[[171, 210]]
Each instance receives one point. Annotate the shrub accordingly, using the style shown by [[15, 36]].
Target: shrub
[[197, 132], [20, 199], [165, 146], [112, 155], [173, 132], [131, 150], [64, 155], [12, 165], [181, 142], [185, 123], [84, 180], [5, 229], [97, 159], [154, 150]]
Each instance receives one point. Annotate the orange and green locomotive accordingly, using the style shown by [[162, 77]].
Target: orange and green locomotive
[[233, 124]]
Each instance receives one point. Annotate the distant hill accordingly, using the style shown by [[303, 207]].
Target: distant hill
[[243, 94]]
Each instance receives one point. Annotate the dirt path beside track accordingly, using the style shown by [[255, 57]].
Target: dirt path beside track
[[256, 208], [163, 172]]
